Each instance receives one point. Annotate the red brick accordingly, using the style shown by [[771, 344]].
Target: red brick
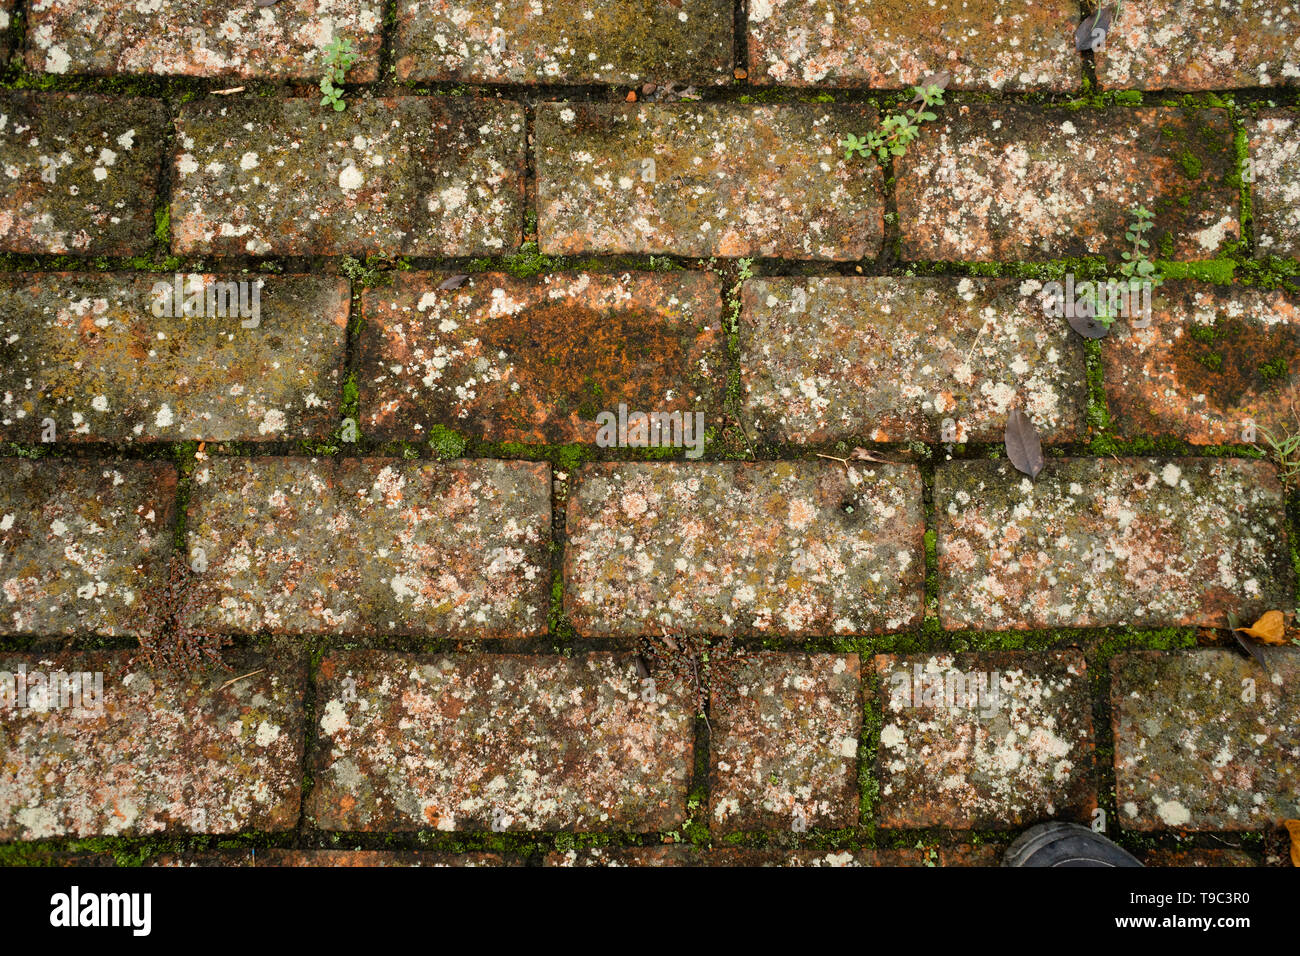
[[86, 351], [783, 548], [1275, 171], [506, 741], [537, 360], [983, 44], [81, 172], [1011, 182], [728, 180], [286, 40], [193, 755], [309, 546], [421, 176]]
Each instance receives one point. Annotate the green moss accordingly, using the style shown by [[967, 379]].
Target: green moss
[[445, 442], [1190, 164], [1274, 371], [1217, 271]]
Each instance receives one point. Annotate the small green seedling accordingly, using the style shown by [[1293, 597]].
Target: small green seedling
[[1136, 266], [897, 130], [338, 60]]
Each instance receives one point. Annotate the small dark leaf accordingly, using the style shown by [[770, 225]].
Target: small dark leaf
[[1088, 328], [642, 666], [1023, 447], [940, 80], [1087, 34], [455, 282], [1253, 650], [266, 3]]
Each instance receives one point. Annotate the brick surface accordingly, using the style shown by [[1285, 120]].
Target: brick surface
[[1205, 740], [181, 755], [373, 858], [423, 176], [201, 37], [728, 180], [81, 172], [563, 41], [81, 541], [892, 359], [1274, 142], [312, 546], [740, 856], [1021, 182], [1201, 45], [87, 351], [675, 855], [1103, 541], [1211, 360], [784, 745], [1197, 858], [497, 742], [782, 548], [983, 44], [537, 360], [984, 740]]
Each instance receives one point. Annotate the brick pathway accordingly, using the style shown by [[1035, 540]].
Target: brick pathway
[[379, 397]]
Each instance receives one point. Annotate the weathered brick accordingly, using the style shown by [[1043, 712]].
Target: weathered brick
[[1212, 360], [1275, 191], [7, 39], [505, 742], [86, 351], [562, 41], [422, 176], [984, 740], [786, 548], [674, 855], [738, 856], [785, 744], [201, 37], [1102, 541], [705, 179], [191, 754], [1201, 45], [297, 545], [381, 858], [1197, 858], [537, 360], [983, 44], [81, 172], [890, 359], [1205, 740], [80, 541], [1013, 182]]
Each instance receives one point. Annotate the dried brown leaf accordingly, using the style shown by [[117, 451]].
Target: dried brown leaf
[[1023, 445]]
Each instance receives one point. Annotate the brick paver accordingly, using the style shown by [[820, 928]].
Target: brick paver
[[1105, 541], [540, 360], [1274, 169], [895, 359], [983, 44], [81, 542], [984, 740], [80, 172], [1212, 362], [262, 357], [328, 546], [564, 41], [1205, 740], [497, 742], [420, 176], [704, 179], [149, 754], [785, 744], [1201, 45], [1020, 182], [201, 37], [655, 546]]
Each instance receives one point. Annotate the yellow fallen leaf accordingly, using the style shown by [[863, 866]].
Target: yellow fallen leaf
[[1269, 629], [1293, 827]]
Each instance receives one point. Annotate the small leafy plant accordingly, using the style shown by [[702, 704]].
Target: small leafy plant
[[338, 60], [1137, 267], [898, 130], [1285, 452]]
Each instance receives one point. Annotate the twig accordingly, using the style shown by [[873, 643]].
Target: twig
[[236, 680], [233, 89]]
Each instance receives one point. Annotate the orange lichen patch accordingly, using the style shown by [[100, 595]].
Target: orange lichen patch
[[538, 360]]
